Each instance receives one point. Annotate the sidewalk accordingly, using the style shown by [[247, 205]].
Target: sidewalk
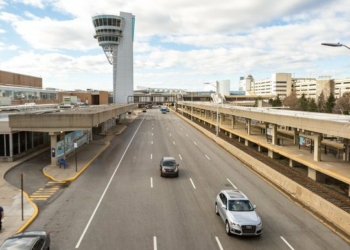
[[10, 197]]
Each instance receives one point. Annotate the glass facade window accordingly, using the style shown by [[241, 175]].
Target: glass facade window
[[5, 145]]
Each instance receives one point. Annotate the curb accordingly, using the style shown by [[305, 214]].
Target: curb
[[32, 218], [81, 171]]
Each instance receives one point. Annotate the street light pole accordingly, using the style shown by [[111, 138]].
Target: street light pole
[[191, 106], [217, 109], [335, 45]]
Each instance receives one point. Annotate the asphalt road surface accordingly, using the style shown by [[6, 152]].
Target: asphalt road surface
[[121, 202]]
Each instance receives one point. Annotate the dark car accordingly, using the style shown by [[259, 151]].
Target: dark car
[[169, 167], [28, 240]]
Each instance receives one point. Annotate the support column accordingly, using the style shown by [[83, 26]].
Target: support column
[[272, 154], [248, 126], [317, 148], [315, 175], [222, 118], [11, 144], [291, 163], [346, 150], [274, 134], [295, 136], [53, 147], [233, 121]]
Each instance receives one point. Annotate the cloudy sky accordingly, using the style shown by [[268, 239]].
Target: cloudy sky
[[178, 44]]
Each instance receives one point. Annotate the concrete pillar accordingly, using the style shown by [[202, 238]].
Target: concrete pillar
[[346, 150], [53, 148], [295, 136], [291, 163], [259, 148], [316, 176], [272, 154], [274, 134], [230, 135], [233, 121], [317, 148], [248, 126], [11, 144], [248, 143]]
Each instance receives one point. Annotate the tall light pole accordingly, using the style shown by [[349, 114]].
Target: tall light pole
[[191, 106], [335, 45], [217, 109], [182, 106]]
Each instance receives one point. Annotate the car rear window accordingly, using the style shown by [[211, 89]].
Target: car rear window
[[18, 243]]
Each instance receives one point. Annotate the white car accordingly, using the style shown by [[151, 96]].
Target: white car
[[238, 213]]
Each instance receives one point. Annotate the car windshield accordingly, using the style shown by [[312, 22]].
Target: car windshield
[[240, 205], [18, 243], [169, 163]]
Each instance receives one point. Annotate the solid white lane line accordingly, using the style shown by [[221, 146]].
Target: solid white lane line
[[151, 142], [154, 242], [287, 243], [195, 143], [170, 134], [217, 241], [108, 184], [180, 157], [173, 142], [192, 183], [207, 157], [151, 156], [151, 182], [152, 134], [231, 183]]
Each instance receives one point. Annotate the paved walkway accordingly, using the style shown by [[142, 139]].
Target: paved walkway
[[16, 219]]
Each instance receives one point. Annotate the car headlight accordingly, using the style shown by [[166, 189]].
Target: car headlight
[[232, 224], [163, 170]]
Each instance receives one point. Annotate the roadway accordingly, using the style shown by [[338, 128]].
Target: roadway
[[121, 202]]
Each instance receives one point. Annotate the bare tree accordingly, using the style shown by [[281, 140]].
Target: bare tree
[[291, 101], [342, 104]]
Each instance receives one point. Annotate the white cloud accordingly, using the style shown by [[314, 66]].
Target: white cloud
[[187, 41], [35, 3]]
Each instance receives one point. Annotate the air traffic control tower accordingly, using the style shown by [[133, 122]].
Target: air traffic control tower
[[115, 34]]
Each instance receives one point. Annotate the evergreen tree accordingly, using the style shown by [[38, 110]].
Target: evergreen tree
[[312, 106], [303, 102], [330, 103], [277, 102], [321, 103]]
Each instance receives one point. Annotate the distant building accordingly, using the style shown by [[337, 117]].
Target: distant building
[[223, 87], [282, 84]]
